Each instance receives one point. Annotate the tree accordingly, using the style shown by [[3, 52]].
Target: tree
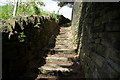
[[21, 8], [15, 8], [30, 7]]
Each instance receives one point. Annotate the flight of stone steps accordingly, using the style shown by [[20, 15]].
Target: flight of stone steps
[[64, 39], [57, 65], [60, 62]]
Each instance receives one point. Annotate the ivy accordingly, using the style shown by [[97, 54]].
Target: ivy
[[22, 37]]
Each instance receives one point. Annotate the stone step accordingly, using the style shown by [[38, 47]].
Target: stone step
[[63, 44], [65, 31], [62, 32], [62, 39], [60, 63], [53, 67], [63, 35], [63, 47], [64, 28], [57, 58], [68, 55], [46, 77], [64, 50], [55, 64]]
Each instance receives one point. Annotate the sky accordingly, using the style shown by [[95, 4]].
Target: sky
[[51, 6]]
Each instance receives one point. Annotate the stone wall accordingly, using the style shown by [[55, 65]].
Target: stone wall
[[24, 40], [99, 39], [75, 22]]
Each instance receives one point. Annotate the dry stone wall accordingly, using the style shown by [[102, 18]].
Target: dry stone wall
[[24, 40], [75, 22], [99, 39]]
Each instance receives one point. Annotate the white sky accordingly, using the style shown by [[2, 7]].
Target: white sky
[[51, 6]]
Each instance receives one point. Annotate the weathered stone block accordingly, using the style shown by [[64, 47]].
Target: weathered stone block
[[100, 49], [97, 41], [99, 60], [112, 73], [107, 71], [114, 65], [103, 72], [88, 20], [112, 27], [95, 73], [102, 41], [104, 19], [87, 59], [97, 22], [113, 55], [101, 34], [115, 14]]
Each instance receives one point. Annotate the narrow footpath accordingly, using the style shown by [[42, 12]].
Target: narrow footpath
[[62, 63]]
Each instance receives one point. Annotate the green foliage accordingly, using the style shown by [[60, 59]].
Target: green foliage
[[61, 4], [30, 7], [69, 4], [6, 11], [55, 16], [22, 37], [26, 8], [36, 10], [45, 13]]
